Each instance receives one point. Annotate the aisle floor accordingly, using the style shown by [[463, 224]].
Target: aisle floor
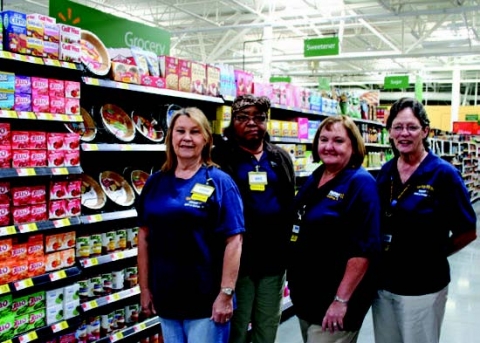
[[461, 323]]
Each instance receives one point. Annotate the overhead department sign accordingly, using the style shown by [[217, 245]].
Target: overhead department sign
[[321, 47], [396, 82], [115, 32]]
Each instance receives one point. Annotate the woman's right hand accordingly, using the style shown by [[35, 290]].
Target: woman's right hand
[[146, 301]]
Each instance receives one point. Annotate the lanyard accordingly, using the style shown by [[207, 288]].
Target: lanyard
[[394, 202]]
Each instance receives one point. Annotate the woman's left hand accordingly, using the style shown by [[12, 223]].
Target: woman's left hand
[[222, 309], [333, 319]]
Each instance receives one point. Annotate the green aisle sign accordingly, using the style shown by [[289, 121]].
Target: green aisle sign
[[114, 32], [396, 82], [419, 88], [321, 47], [287, 79], [471, 117]]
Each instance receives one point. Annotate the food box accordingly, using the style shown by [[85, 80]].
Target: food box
[[7, 325], [34, 47], [198, 78], [54, 297], [213, 80], [184, 75], [70, 52], [72, 89], [7, 81], [39, 85], [153, 81], [169, 70], [22, 102], [5, 156], [7, 100], [123, 72], [35, 27], [69, 34], [14, 31], [5, 134]]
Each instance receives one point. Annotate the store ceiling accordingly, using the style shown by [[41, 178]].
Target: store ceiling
[[378, 37]]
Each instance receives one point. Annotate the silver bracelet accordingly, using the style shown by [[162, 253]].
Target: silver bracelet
[[340, 300]]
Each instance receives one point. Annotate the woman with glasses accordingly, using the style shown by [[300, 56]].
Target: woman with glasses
[[426, 217], [265, 176], [335, 238], [190, 237]]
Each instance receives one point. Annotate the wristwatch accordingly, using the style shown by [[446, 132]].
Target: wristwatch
[[228, 291]]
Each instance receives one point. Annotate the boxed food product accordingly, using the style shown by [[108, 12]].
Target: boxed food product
[[69, 52], [51, 33], [40, 103], [5, 134], [37, 140], [7, 100], [36, 265], [184, 75], [5, 249], [5, 156], [22, 102], [4, 214], [35, 27], [38, 158], [72, 89], [198, 78], [153, 81], [213, 80], [125, 73], [14, 31], [57, 105], [169, 70], [38, 212], [7, 81], [19, 251], [23, 84], [20, 270], [34, 47], [69, 34]]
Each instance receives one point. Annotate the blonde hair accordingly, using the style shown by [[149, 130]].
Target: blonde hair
[[201, 120]]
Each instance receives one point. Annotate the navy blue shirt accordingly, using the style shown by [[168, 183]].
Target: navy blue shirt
[[187, 239], [341, 220], [432, 205]]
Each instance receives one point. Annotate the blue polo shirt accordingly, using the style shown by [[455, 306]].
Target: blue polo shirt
[[432, 205], [187, 239], [340, 220]]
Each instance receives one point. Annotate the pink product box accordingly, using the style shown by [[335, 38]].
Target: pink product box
[[14, 31], [40, 103], [184, 75], [71, 141], [41, 17], [55, 141], [51, 33], [51, 50], [5, 156], [7, 100], [70, 52], [38, 212], [71, 158], [20, 139], [153, 81], [39, 85], [37, 140], [38, 158], [56, 158], [72, 106], [23, 84], [20, 158], [69, 34], [23, 102], [72, 89], [302, 128], [56, 88], [57, 105], [5, 134]]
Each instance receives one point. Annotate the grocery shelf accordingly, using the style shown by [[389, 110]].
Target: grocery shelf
[[38, 226], [43, 333], [39, 171], [290, 140], [10, 114], [122, 147], [101, 217], [152, 90], [40, 280], [131, 331], [115, 256], [109, 299]]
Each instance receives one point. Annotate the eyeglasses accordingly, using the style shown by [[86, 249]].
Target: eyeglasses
[[409, 128], [258, 119]]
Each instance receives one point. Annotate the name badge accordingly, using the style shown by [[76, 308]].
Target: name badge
[[257, 181], [202, 192]]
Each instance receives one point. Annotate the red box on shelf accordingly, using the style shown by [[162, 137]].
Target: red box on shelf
[[5, 156], [20, 139], [38, 158], [20, 158], [5, 134]]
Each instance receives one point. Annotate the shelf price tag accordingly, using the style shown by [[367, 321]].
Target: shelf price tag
[[50, 62], [26, 172], [113, 297], [30, 227], [63, 325], [60, 171], [61, 222], [4, 289], [7, 230], [8, 114], [61, 274], [26, 115], [6, 54], [90, 147], [89, 305], [45, 116], [116, 336], [139, 327], [117, 256], [126, 147], [68, 65], [89, 262], [95, 218], [122, 85], [31, 336], [22, 284]]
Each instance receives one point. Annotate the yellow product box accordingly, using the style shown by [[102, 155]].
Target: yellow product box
[[285, 131], [219, 126], [198, 78], [224, 113], [34, 46], [290, 148], [300, 164], [275, 128], [35, 27], [294, 129], [300, 150]]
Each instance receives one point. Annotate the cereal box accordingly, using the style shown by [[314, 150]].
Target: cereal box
[[198, 78], [169, 70], [213, 80], [184, 75]]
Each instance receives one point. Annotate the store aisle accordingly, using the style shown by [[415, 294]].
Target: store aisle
[[463, 305]]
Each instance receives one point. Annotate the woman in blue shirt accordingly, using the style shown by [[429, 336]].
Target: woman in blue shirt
[[426, 216], [190, 239], [336, 237]]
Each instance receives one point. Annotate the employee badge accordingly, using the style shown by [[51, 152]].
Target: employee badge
[[257, 180], [202, 192]]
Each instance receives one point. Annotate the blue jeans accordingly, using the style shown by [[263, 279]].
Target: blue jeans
[[194, 331]]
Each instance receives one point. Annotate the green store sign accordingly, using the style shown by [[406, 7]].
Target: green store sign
[[287, 79], [321, 47], [114, 32], [395, 82]]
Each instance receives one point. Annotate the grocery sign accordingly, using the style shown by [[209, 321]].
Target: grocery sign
[[114, 32], [321, 47], [395, 82]]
